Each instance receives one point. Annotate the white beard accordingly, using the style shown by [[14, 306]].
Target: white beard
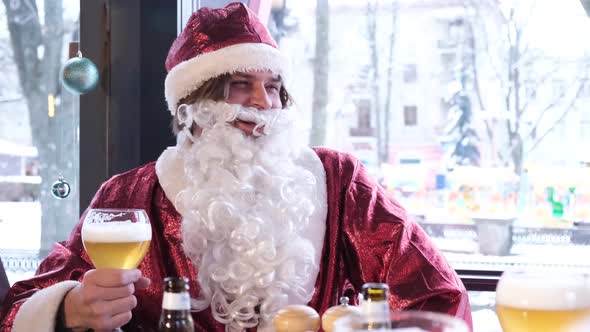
[[244, 209]]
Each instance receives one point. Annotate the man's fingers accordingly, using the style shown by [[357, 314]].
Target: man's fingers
[[112, 277], [142, 283], [121, 319], [114, 293], [118, 306], [112, 322]]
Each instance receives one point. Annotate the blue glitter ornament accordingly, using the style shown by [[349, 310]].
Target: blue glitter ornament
[[79, 75]]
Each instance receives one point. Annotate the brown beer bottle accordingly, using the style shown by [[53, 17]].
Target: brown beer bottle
[[176, 307], [375, 306]]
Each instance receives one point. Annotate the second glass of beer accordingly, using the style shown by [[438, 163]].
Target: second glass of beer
[[542, 300], [116, 238]]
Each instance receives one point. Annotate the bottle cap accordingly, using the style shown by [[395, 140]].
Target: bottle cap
[[375, 291], [176, 284]]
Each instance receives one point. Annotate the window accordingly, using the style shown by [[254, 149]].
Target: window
[[38, 132], [410, 116], [585, 130], [410, 73], [363, 125], [447, 59], [586, 89], [461, 174]]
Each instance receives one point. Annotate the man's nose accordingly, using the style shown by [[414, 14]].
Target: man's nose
[[259, 98]]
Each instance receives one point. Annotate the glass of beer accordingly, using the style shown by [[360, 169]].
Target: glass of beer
[[542, 300], [116, 238]]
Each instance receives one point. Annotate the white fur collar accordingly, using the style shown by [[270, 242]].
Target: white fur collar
[[170, 172], [39, 312]]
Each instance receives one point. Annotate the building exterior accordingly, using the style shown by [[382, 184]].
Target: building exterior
[[431, 40]]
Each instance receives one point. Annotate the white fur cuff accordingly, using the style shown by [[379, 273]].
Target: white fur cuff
[[38, 313]]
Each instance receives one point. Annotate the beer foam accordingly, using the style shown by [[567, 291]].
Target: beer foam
[[582, 326], [551, 292], [116, 232]]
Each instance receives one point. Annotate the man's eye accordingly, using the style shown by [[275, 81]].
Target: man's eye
[[273, 88]]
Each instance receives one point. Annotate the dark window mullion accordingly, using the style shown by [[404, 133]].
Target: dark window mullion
[[477, 280]]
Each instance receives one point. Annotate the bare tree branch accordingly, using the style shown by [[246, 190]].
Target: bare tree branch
[[540, 82], [372, 10], [486, 44], [517, 82], [550, 106], [388, 94], [475, 74], [321, 74], [527, 47], [528, 15], [508, 108], [569, 107], [511, 23]]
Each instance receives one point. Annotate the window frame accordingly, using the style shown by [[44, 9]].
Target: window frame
[[479, 280], [410, 115], [124, 121], [115, 42]]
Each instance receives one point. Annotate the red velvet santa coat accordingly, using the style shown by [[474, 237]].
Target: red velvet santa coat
[[368, 239]]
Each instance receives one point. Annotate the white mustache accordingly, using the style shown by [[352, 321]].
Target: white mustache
[[263, 119], [206, 114], [249, 117]]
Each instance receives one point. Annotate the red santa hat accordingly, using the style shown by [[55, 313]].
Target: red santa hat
[[219, 41]]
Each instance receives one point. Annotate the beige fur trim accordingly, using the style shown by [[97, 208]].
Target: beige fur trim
[[39, 312], [187, 76]]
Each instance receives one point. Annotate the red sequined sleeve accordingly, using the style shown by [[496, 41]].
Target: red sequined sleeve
[[379, 243]]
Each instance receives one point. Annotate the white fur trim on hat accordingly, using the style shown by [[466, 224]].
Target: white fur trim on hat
[[188, 75]]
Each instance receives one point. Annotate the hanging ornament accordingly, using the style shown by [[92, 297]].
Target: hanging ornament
[[79, 75], [60, 188]]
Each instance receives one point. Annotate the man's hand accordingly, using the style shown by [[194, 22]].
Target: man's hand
[[104, 299]]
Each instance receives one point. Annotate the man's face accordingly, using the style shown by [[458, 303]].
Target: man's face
[[259, 90]]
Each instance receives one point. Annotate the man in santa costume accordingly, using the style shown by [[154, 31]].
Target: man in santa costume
[[242, 207]]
